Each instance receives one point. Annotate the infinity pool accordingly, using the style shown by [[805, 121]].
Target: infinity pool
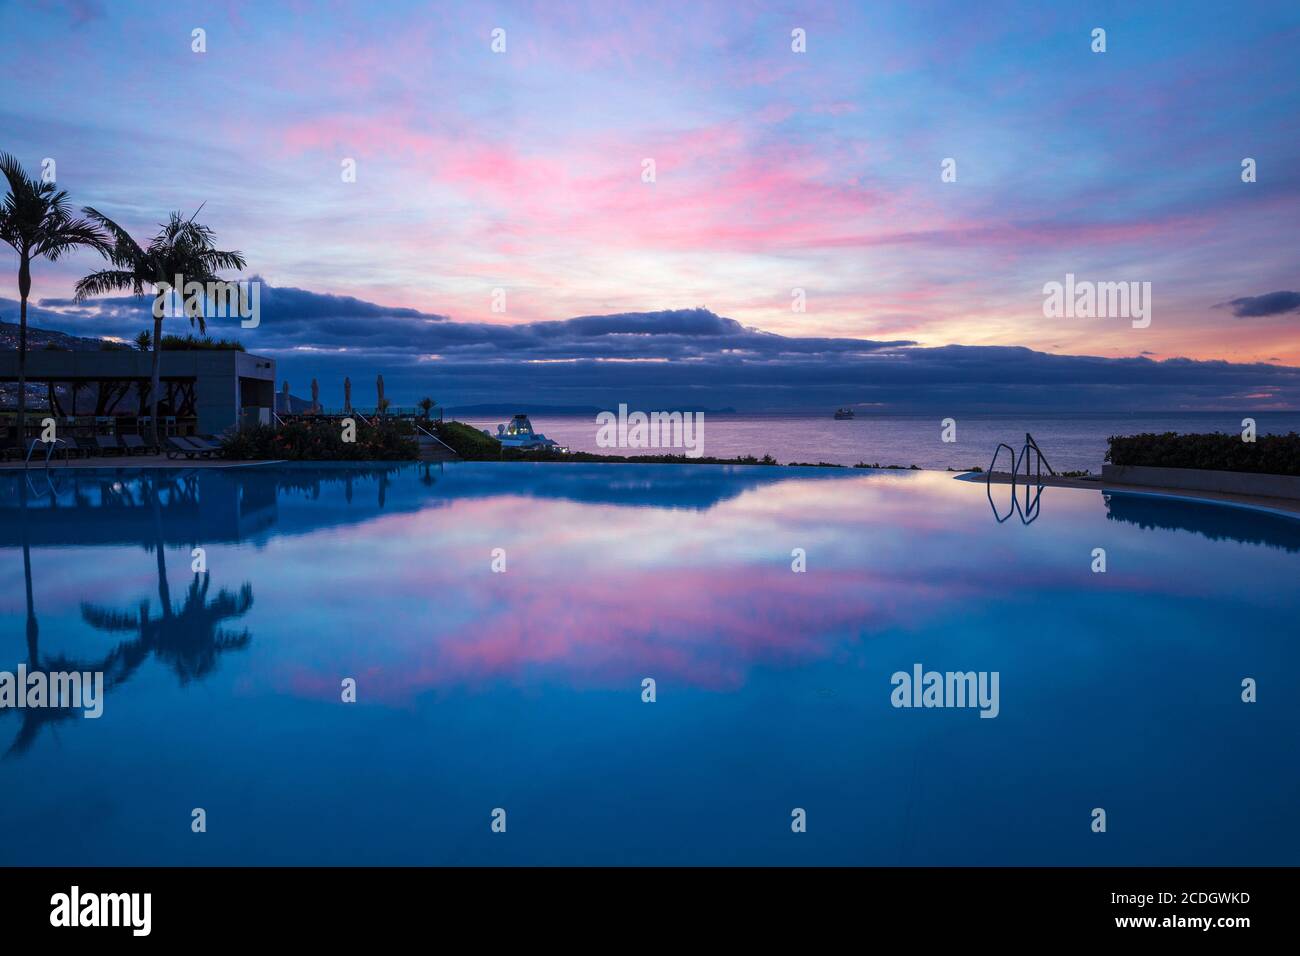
[[522, 690]]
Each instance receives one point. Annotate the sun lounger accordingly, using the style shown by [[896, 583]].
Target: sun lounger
[[175, 447], [178, 445], [72, 449], [107, 444], [133, 443], [206, 442]]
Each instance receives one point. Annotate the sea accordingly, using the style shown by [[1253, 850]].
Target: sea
[[1069, 442]]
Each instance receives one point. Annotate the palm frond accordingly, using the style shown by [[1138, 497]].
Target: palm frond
[[214, 259], [36, 220], [105, 281], [70, 234], [12, 170], [104, 619], [126, 251]]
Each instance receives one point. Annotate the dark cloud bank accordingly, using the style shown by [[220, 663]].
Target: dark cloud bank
[[685, 359], [1257, 306]]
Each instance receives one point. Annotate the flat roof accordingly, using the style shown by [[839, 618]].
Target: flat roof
[[58, 365]]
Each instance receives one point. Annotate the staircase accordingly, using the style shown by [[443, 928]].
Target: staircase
[[433, 448]]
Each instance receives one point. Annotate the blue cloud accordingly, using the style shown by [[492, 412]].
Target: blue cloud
[[1271, 303], [684, 359]]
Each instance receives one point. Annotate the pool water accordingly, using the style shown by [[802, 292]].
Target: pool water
[[480, 689]]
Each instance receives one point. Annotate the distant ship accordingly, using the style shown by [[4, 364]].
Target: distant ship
[[519, 434], [843, 414]]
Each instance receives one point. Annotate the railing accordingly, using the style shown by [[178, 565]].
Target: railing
[[1033, 503], [435, 414], [1030, 445], [49, 450], [371, 422], [988, 482], [50, 488], [169, 427], [423, 431], [1039, 458]]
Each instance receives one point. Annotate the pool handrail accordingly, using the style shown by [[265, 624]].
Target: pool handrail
[[49, 450], [1041, 458], [988, 482], [419, 428], [1033, 505]]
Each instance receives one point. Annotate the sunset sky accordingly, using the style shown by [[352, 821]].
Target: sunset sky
[[775, 170]]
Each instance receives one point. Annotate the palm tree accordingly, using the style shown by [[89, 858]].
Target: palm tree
[[182, 248], [144, 341], [425, 404], [34, 219]]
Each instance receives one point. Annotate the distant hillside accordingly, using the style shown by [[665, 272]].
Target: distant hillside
[[295, 405], [528, 408], [40, 338]]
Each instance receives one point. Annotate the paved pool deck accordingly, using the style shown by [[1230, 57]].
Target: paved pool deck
[[131, 461], [1289, 506]]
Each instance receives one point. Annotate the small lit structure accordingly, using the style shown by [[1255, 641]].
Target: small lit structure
[[519, 434]]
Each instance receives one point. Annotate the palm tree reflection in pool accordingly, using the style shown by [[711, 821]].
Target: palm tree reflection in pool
[[188, 637]]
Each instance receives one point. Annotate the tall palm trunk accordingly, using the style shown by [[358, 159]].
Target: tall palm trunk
[[33, 628], [24, 290], [164, 589], [156, 387]]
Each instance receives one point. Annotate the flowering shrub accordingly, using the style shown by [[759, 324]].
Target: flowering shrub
[[319, 441]]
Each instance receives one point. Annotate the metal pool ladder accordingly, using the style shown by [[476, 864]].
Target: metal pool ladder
[[1031, 510], [50, 447], [1029, 446]]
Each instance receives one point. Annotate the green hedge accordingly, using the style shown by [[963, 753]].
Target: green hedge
[[195, 343], [319, 441], [467, 441], [1267, 455]]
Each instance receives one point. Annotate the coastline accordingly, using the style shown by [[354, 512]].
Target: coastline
[[1278, 506]]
